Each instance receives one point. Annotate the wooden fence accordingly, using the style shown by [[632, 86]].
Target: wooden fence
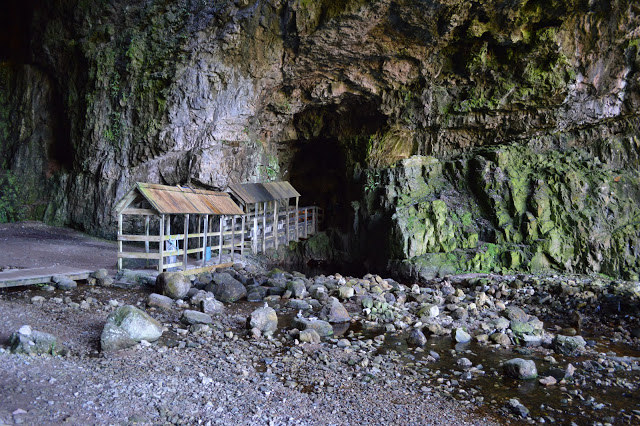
[[219, 238]]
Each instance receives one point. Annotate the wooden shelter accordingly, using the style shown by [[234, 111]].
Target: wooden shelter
[[270, 218], [198, 207]]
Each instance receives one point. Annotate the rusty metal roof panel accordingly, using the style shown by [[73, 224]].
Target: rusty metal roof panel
[[183, 200], [250, 193], [281, 190]]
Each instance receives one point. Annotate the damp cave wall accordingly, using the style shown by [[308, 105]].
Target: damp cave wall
[[337, 95]]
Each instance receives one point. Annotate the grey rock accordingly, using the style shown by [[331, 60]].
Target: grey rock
[[66, 284], [100, 274], [128, 324], [335, 312], [519, 368], [265, 320], [464, 363], [195, 317], [515, 313], [28, 341], [173, 284], [212, 306], [323, 328], [346, 292], [500, 323], [309, 336], [569, 345], [254, 296], [517, 408], [228, 289], [460, 335], [298, 304], [297, 288], [500, 339], [159, 301], [417, 338]]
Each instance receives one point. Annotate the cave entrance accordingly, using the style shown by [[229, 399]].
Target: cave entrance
[[332, 144]]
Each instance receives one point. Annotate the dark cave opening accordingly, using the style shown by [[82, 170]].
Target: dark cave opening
[[333, 142]]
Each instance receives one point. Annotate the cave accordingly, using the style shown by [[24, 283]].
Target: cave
[[332, 146]]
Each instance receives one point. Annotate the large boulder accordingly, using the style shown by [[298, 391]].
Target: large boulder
[[126, 326], [323, 328], [335, 312], [28, 341], [159, 301], [519, 368], [173, 284], [264, 320], [228, 289], [569, 345]]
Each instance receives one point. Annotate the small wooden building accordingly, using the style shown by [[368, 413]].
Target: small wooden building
[[214, 215], [270, 217]]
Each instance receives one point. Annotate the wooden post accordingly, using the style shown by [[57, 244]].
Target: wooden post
[[275, 223], [233, 236], [204, 240], [242, 236], [168, 230], [220, 240], [287, 222], [297, 220], [119, 241], [186, 242], [146, 233], [305, 223], [264, 227], [198, 228], [161, 246], [255, 229]]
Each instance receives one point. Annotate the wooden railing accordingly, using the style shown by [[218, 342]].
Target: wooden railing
[[223, 237]]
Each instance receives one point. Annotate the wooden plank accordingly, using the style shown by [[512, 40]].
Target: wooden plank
[[173, 265], [306, 234], [264, 227], [286, 222], [23, 277], [275, 222], [181, 236], [255, 230], [196, 271], [146, 233], [220, 237], [233, 235], [204, 240], [139, 238], [140, 212], [137, 255], [242, 236], [297, 220]]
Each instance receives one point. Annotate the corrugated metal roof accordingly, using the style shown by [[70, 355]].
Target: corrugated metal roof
[[250, 193], [183, 200]]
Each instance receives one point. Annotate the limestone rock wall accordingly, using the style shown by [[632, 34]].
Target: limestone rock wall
[[207, 93]]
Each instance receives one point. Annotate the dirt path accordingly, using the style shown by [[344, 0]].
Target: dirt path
[[35, 245]]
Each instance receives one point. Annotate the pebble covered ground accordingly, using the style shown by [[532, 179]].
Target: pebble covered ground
[[434, 353]]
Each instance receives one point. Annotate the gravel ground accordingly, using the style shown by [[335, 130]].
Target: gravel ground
[[190, 379]]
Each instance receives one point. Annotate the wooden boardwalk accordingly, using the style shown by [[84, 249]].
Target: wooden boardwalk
[[20, 277]]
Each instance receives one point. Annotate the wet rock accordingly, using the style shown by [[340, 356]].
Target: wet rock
[[438, 330], [460, 335], [159, 301], [191, 317], [228, 289], [500, 339], [28, 341], [417, 338], [298, 304], [126, 326], [265, 320], [568, 345], [500, 323], [519, 368], [309, 336], [212, 306], [429, 310], [464, 363], [335, 312], [297, 289], [173, 284], [514, 313], [548, 381], [517, 408], [66, 284], [323, 328]]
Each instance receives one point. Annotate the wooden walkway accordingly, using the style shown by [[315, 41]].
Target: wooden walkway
[[20, 277]]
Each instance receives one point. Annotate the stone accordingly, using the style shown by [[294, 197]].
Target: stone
[[346, 292], [159, 301], [460, 335], [309, 336], [191, 317], [299, 305], [66, 284], [228, 289], [431, 311], [297, 288], [323, 328], [212, 306], [100, 274], [29, 341], [173, 284], [500, 339], [37, 299], [521, 369], [127, 325], [515, 313], [569, 345], [335, 312], [517, 408], [548, 381], [417, 338], [500, 323], [464, 363], [531, 340], [254, 296], [265, 320]]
